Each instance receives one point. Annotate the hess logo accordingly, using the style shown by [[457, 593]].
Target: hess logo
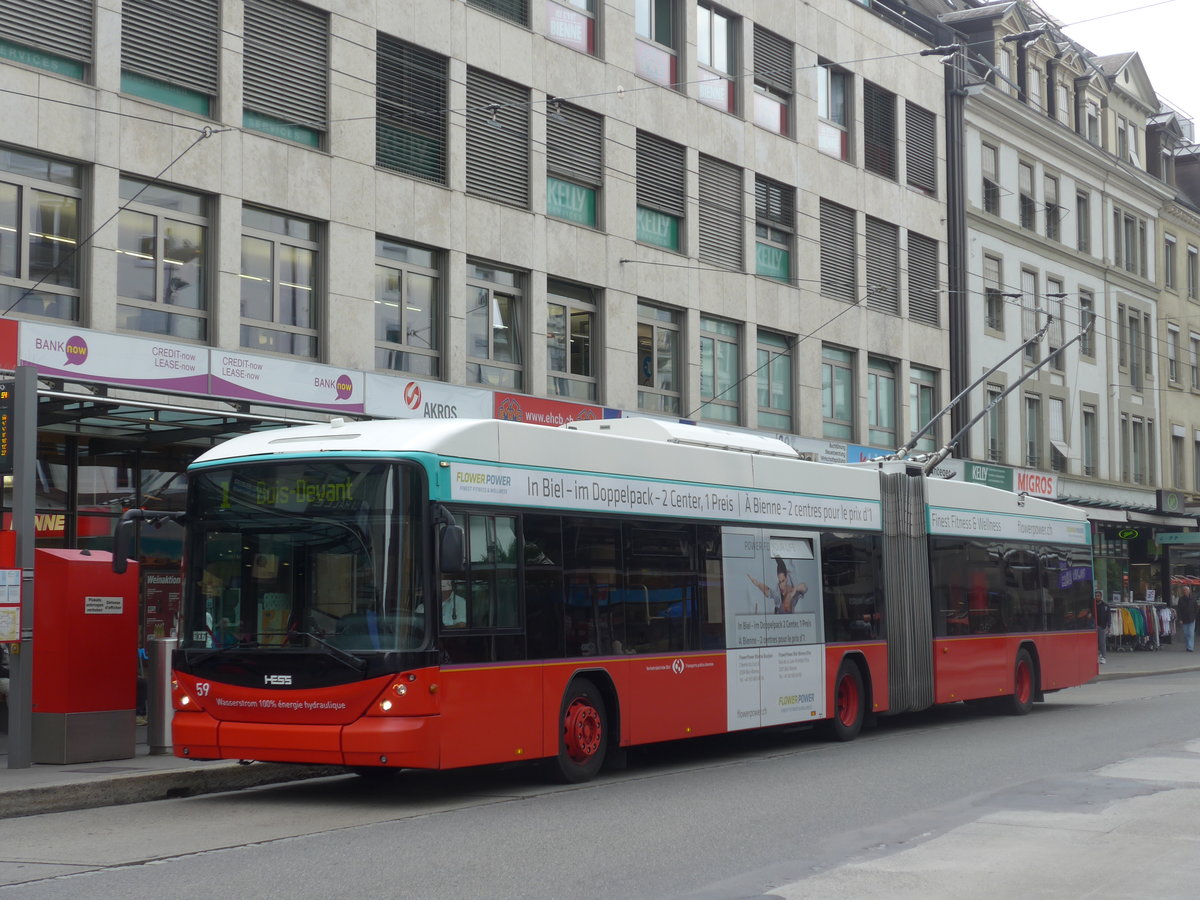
[[277, 679]]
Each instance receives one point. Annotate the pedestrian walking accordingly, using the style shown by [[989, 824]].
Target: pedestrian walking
[[1185, 610], [1103, 618]]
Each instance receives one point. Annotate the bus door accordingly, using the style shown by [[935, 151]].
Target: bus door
[[775, 661]]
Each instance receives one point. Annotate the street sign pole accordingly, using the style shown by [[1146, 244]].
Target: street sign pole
[[22, 443]]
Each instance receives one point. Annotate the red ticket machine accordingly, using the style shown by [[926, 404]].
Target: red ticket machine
[[85, 621]]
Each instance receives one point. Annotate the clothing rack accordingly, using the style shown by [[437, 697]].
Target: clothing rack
[[1138, 626]]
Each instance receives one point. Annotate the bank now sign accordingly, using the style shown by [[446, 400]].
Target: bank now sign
[[1035, 484]]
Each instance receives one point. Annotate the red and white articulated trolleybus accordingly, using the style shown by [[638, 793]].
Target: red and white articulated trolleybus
[[427, 594]]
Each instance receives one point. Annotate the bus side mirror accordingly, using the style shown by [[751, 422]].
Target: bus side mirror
[[123, 540], [451, 552], [123, 536]]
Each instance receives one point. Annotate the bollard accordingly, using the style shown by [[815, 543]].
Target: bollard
[[159, 708]]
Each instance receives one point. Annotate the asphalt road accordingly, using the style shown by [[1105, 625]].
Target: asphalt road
[[941, 804]]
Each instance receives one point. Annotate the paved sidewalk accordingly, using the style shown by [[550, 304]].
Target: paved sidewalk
[[51, 788]]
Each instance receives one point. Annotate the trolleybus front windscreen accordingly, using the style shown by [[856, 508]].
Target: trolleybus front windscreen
[[305, 553]]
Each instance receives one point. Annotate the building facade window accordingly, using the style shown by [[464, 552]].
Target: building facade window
[[1122, 336], [1087, 319], [995, 423], [661, 191], [162, 261], [1170, 261], [834, 90], [186, 77], [883, 266], [1196, 459], [572, 22], [1053, 210], [1033, 431], [839, 259], [1031, 309], [774, 374], [572, 341], [57, 39], [721, 225], [1193, 272], [774, 226], [656, 50], [410, 109], [920, 131], [513, 10], [993, 293], [1125, 448], [922, 404], [1054, 310], [495, 323], [1134, 331], [574, 164], [1173, 349], [1090, 439], [837, 393], [1138, 448], [1178, 478], [879, 130], [990, 160], [408, 318], [1194, 354], [285, 70], [497, 157], [774, 81], [39, 236], [659, 365], [1060, 451], [1027, 203], [923, 303], [716, 57], [1083, 223], [280, 256], [881, 402], [719, 370]]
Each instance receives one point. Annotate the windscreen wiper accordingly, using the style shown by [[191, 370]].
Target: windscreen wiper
[[356, 663]]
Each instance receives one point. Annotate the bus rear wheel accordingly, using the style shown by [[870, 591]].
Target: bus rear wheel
[[583, 732], [849, 704], [1020, 701]]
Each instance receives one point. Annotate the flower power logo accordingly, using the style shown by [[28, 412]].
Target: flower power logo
[[76, 349]]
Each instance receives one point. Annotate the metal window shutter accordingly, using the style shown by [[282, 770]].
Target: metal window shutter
[[721, 221], [661, 176], [921, 135], [838, 262], [61, 27], [879, 130], [186, 54], [286, 61], [774, 203], [575, 144], [773, 60], [514, 10], [497, 139], [883, 266], [410, 109], [923, 279]]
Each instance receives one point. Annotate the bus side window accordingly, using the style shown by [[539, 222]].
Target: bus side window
[[543, 585]]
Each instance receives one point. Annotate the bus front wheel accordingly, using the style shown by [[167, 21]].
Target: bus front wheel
[[1020, 701], [849, 704], [583, 732]]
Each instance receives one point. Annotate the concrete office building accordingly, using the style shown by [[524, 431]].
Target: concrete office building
[[253, 211]]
